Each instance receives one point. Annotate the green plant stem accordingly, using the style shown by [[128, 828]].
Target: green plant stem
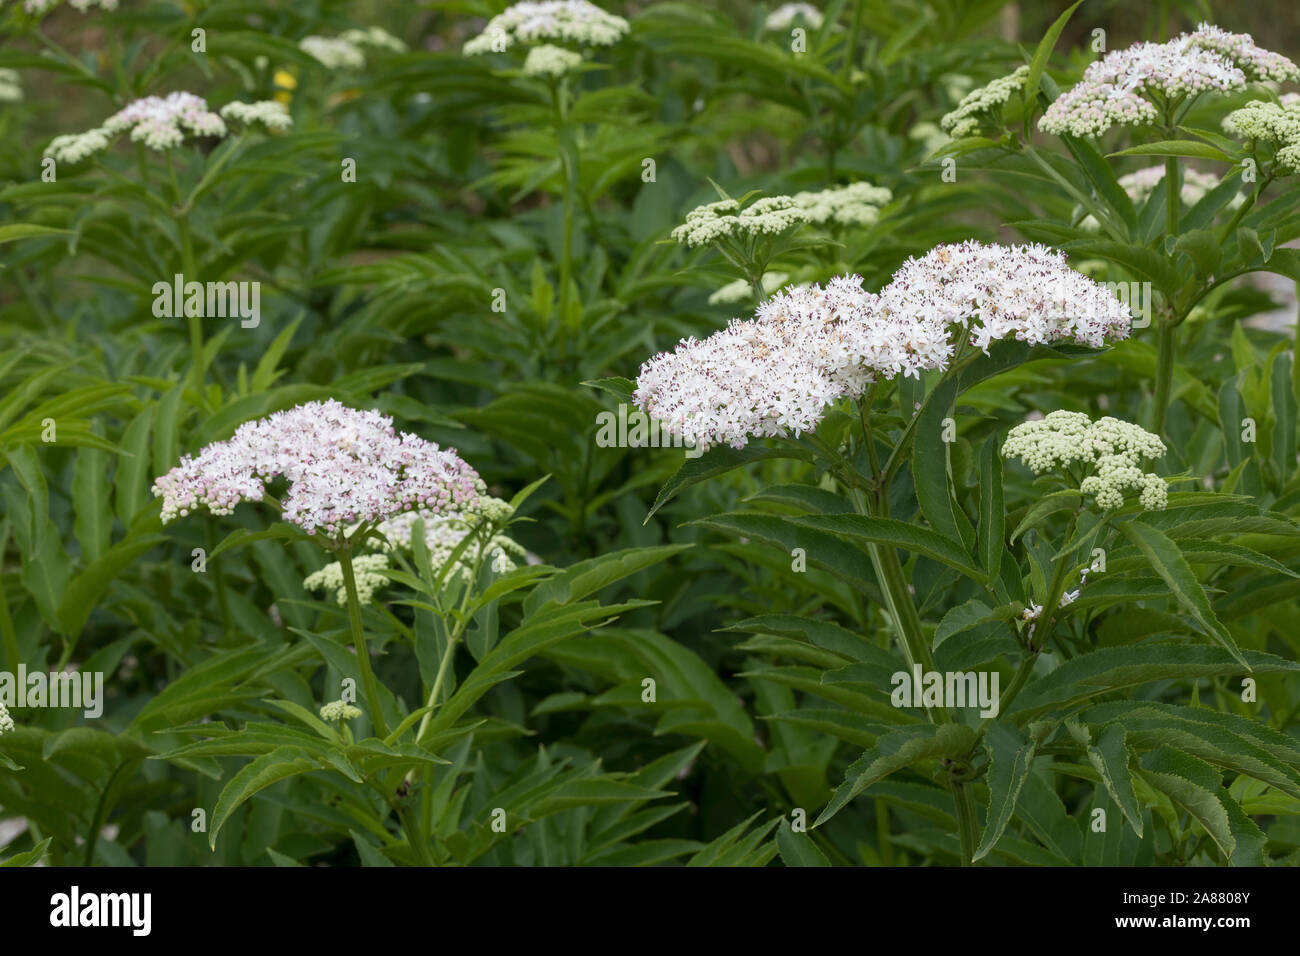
[[368, 682], [568, 161], [1166, 344], [964, 801], [414, 832], [1166, 341]]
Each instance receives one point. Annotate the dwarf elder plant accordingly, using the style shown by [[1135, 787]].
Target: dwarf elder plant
[[979, 339]]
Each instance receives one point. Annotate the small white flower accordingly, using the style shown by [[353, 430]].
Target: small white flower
[[6, 722]]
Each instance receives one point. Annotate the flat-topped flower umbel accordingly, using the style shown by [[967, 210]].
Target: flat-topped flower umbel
[[343, 467], [808, 347], [1120, 89], [164, 122], [549, 21]]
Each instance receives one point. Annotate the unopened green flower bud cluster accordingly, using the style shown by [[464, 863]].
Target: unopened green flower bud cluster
[[1275, 124], [442, 534], [551, 61], [367, 569], [982, 104], [1112, 450], [718, 221], [857, 204], [337, 710]]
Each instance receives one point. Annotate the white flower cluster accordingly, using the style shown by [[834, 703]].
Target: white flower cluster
[[1118, 89], [857, 204], [1139, 185], [345, 51], [74, 147], [343, 466], [1112, 450], [567, 21], [554, 61], [740, 290], [982, 103], [338, 710], [716, 221], [784, 16], [367, 571], [271, 114], [1026, 292], [809, 347], [6, 722], [766, 376], [376, 37], [1277, 125], [10, 91], [334, 52], [163, 122], [38, 8]]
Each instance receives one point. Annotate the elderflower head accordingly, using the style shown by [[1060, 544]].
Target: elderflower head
[[160, 122], [343, 466], [1112, 450], [857, 204], [1274, 124], [982, 104], [1119, 89], [553, 61], [1140, 184], [367, 571], [765, 376], [334, 52], [566, 21], [784, 16], [6, 722], [1025, 292], [10, 91], [376, 37], [269, 113], [809, 347], [717, 221], [38, 8], [338, 710], [740, 290]]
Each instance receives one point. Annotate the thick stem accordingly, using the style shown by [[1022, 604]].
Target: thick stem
[[1166, 344], [368, 682], [964, 801], [414, 833]]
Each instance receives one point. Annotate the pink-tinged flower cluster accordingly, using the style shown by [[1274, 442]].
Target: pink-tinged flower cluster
[[761, 377], [342, 466], [160, 122], [1118, 89], [808, 347]]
